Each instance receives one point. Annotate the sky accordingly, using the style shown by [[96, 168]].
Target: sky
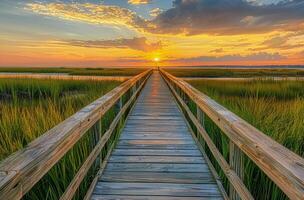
[[105, 33]]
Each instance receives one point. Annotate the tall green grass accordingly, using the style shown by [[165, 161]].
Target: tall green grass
[[274, 107], [235, 72], [28, 108], [77, 71]]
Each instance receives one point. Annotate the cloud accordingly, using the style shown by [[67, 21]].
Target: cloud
[[220, 50], [155, 12], [283, 42], [189, 17], [137, 43], [90, 13], [224, 17], [138, 2], [262, 56]]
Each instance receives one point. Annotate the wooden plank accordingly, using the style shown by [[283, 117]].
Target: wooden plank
[[155, 152], [157, 177], [137, 117], [157, 167], [126, 197], [156, 127], [160, 123], [145, 131], [155, 189], [161, 136], [281, 165], [160, 133], [156, 159], [162, 129], [156, 142], [158, 146]]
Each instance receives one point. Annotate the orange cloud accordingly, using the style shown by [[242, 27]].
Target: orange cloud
[[138, 2], [136, 43]]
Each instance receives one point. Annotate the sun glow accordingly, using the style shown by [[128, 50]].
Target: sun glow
[[156, 59]]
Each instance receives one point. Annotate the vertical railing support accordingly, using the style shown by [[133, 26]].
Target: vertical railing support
[[236, 161], [201, 118], [120, 105], [133, 89], [97, 131]]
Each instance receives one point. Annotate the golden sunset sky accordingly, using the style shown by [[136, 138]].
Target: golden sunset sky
[[95, 33]]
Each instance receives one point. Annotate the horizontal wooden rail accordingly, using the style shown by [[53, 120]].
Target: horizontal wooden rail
[[21, 171], [282, 166]]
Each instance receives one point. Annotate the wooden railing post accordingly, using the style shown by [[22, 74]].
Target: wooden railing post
[[97, 131], [236, 161], [201, 118], [120, 105], [133, 89]]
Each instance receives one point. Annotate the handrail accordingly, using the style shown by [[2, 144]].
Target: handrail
[[22, 170], [282, 166]]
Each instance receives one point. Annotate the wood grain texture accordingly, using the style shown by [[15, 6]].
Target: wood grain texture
[[156, 156], [281, 165], [157, 167], [158, 177], [125, 197], [155, 189], [155, 152]]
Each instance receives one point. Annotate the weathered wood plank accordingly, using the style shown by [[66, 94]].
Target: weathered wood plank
[[137, 117], [156, 142], [125, 197], [157, 177], [157, 159], [155, 189], [155, 152], [157, 167], [158, 146], [155, 137]]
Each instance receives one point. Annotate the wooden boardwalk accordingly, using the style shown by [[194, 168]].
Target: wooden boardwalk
[[156, 156]]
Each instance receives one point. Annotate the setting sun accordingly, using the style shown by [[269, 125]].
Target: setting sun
[[156, 59]]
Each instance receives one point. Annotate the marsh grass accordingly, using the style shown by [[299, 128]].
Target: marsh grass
[[235, 72], [28, 108], [77, 71], [274, 107]]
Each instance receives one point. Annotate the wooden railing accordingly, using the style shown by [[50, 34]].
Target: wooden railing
[[21, 171], [282, 166]]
